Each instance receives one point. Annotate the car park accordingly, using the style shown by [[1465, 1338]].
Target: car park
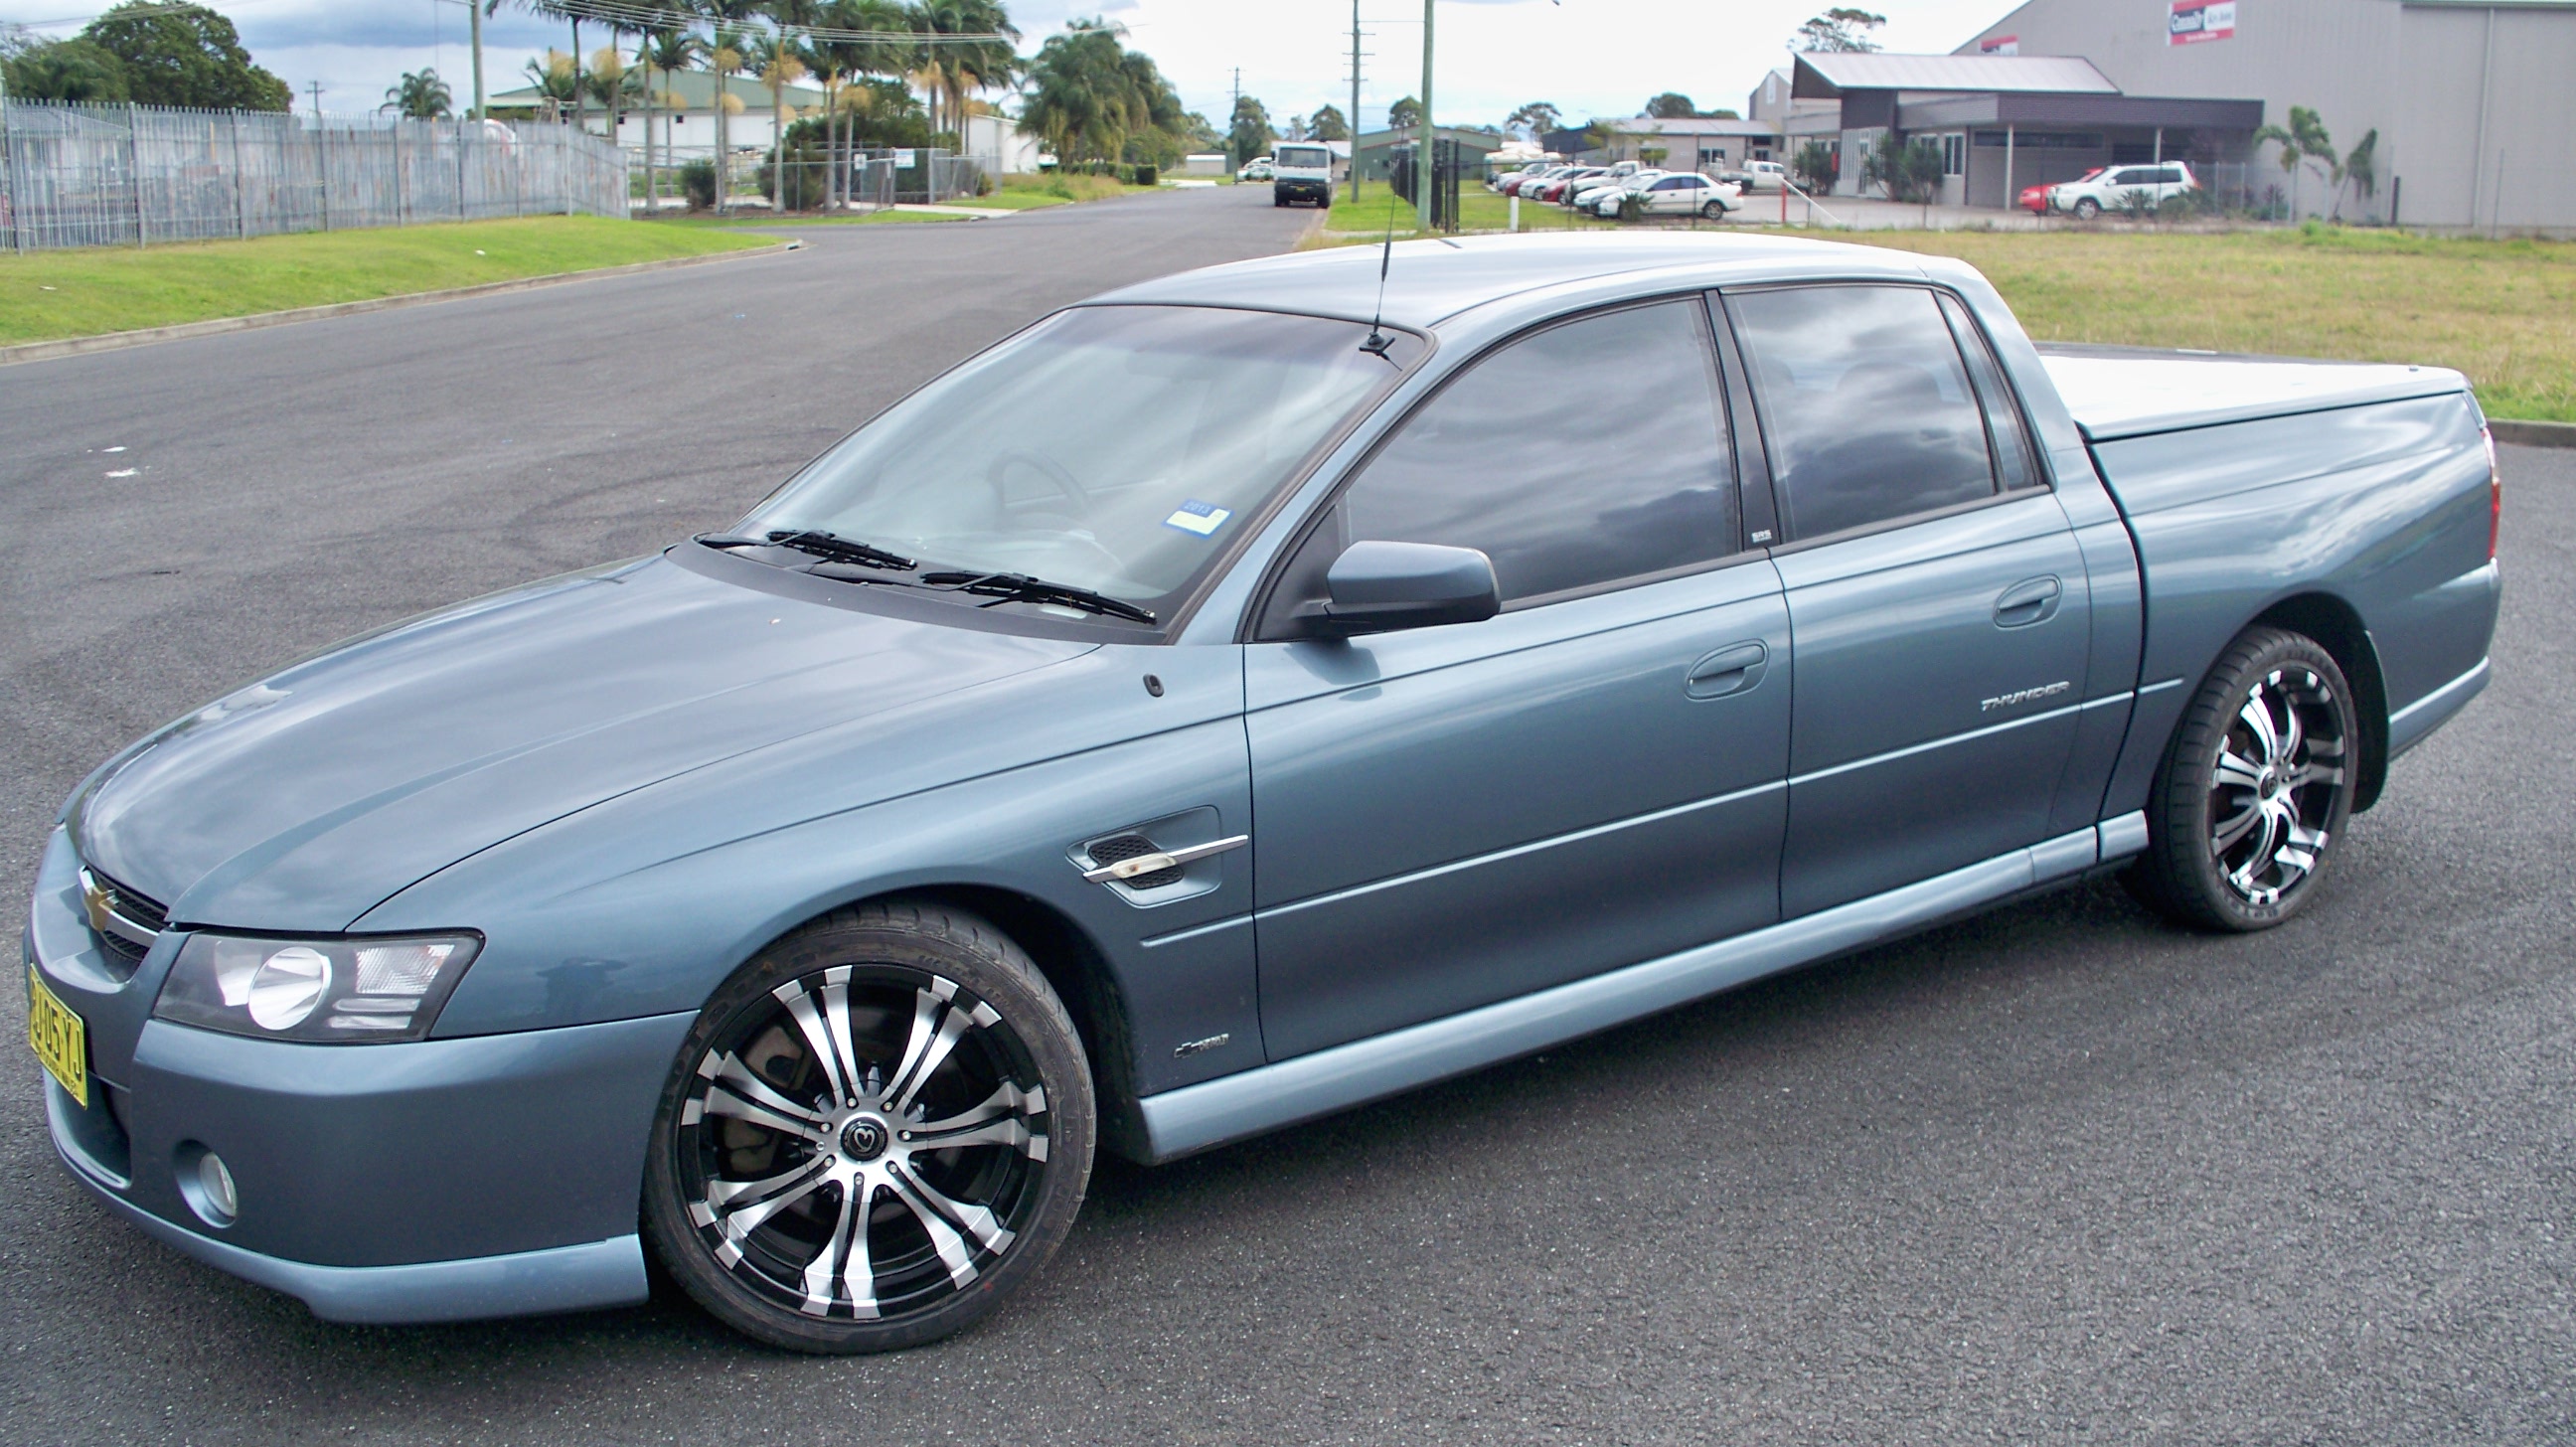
[[2118, 187], [1554, 188], [1512, 184], [1046, 768]]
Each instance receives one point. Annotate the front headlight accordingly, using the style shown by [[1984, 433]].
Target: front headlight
[[347, 991]]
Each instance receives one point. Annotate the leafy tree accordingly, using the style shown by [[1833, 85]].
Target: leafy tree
[[66, 70], [1722, 113], [1250, 135], [954, 70], [1908, 172], [1295, 130], [420, 96], [1671, 105], [1090, 96], [185, 55], [1328, 124], [1535, 119], [1816, 166], [1404, 115], [1842, 28]]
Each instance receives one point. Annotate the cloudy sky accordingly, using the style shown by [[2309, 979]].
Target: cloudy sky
[[1589, 57]]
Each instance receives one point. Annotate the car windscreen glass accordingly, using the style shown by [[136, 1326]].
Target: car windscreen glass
[[1112, 448]]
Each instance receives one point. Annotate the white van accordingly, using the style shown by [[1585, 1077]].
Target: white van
[[1301, 173]]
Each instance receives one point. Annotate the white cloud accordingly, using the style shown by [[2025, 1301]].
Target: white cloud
[[1589, 57]]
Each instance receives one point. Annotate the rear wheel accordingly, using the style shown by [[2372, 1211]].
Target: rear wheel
[[2254, 787], [876, 1130], [1714, 210]]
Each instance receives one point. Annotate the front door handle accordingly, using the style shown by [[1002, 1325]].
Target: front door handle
[[2033, 600], [1728, 670]]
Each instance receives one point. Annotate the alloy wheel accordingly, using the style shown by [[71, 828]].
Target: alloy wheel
[[2275, 784], [862, 1143]]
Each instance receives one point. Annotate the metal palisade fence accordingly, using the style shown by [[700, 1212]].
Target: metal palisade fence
[[122, 175]]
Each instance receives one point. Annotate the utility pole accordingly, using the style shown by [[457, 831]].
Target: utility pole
[[474, 23], [1234, 112], [1422, 152], [317, 100], [1354, 125]]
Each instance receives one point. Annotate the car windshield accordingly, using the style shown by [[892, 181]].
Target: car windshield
[[1110, 448]]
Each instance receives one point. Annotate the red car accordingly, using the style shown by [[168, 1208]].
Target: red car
[[2034, 199]]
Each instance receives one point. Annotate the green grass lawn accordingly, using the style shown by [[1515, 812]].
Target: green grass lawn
[[48, 295], [2504, 312], [1478, 210], [736, 221]]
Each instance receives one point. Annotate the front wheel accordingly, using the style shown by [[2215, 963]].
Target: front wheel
[[2253, 789], [876, 1130], [2087, 209]]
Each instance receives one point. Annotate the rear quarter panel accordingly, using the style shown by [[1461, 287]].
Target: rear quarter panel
[[2382, 507]]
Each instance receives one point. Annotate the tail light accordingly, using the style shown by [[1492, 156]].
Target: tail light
[[2495, 493]]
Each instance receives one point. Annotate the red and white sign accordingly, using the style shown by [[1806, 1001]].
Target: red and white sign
[[2194, 21], [2000, 45]]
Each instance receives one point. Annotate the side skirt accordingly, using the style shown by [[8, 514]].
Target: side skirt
[[1230, 1108]]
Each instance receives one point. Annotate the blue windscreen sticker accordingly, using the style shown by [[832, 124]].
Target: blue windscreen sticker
[[1202, 518]]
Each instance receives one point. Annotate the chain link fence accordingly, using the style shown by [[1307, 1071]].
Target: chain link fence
[[122, 175]]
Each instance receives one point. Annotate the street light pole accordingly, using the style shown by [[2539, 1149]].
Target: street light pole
[[1422, 148]]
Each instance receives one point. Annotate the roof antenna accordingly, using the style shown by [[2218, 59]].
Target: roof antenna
[[1379, 341]]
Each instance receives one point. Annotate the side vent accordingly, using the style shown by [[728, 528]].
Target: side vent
[[1160, 861], [1129, 846]]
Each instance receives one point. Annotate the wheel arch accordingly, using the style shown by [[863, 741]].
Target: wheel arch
[[1078, 970], [2338, 628]]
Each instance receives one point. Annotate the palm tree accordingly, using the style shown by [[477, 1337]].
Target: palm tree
[[661, 53], [420, 96], [779, 62], [951, 70], [606, 83], [557, 78], [724, 56]]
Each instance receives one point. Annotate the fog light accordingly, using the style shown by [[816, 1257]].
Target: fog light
[[206, 1183]]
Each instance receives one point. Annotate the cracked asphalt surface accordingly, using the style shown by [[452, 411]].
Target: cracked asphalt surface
[[2058, 1173]]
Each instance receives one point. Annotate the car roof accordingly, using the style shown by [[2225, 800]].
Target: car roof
[[1428, 282]]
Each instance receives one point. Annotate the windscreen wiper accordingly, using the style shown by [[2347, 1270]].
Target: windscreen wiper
[[821, 544], [1021, 588]]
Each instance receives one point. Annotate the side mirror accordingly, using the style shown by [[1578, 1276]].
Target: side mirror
[[1378, 587]]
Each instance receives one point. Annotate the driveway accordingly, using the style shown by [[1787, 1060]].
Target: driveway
[[2054, 1174]]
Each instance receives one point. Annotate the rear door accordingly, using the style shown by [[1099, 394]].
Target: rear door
[[1453, 816], [1937, 597]]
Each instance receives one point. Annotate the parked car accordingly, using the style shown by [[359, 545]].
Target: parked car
[[2116, 187], [1758, 176], [2034, 199], [1555, 187], [1513, 184], [1675, 195], [1582, 194], [1504, 181], [1302, 174], [1256, 169], [1042, 770]]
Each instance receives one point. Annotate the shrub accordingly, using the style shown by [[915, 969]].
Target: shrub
[[799, 184], [698, 183], [1145, 175]]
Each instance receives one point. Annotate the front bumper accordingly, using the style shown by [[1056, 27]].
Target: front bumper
[[439, 1180]]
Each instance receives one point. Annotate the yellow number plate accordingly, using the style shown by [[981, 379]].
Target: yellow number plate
[[58, 1037]]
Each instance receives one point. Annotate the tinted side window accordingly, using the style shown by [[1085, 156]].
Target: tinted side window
[[1864, 402], [2016, 461], [1583, 454]]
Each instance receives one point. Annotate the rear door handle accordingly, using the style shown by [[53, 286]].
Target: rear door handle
[[2033, 600], [1728, 670]]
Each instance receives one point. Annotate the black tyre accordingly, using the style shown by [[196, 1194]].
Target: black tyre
[[877, 1130], [2087, 208], [2254, 788], [1714, 210]]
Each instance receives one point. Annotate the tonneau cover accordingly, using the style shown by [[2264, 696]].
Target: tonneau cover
[[2119, 392]]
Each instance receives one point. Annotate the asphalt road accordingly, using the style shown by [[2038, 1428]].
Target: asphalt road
[[2055, 1174]]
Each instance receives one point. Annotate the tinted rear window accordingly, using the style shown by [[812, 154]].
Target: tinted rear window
[[1303, 157]]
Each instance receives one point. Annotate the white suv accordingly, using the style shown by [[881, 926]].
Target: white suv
[[2112, 187]]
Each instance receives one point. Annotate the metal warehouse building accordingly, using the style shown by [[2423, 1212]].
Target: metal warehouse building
[[2474, 100]]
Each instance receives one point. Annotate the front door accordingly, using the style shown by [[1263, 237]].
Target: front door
[[1452, 816], [1936, 593]]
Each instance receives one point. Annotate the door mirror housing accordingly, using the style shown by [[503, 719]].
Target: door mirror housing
[[1379, 587]]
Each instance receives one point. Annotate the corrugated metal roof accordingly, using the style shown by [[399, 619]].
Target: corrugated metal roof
[[1822, 74]]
